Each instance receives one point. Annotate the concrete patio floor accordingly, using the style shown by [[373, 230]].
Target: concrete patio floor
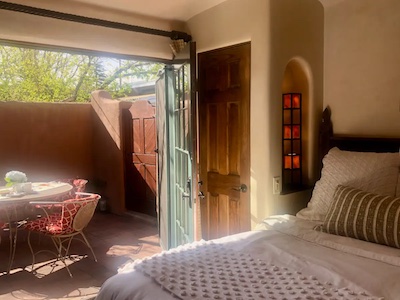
[[116, 240]]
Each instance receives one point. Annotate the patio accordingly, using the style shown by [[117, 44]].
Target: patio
[[116, 240], [50, 141], [79, 140]]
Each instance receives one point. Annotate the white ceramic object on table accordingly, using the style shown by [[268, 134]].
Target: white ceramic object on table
[[18, 188], [27, 188]]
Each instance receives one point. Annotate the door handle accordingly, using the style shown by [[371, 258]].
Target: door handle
[[242, 188], [187, 194]]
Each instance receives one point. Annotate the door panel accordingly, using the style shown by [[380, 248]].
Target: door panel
[[177, 145], [224, 102], [181, 158], [141, 158]]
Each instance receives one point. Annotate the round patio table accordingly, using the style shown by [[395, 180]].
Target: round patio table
[[12, 206], [40, 191]]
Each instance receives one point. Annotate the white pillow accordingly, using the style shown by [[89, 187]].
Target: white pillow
[[372, 172]]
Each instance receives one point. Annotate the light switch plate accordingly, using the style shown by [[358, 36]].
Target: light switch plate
[[276, 185]]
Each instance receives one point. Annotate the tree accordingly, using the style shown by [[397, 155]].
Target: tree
[[47, 76]]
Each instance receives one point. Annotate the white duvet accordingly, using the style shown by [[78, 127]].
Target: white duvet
[[289, 242]]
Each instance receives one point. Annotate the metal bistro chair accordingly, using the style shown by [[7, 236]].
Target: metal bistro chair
[[62, 227], [78, 186]]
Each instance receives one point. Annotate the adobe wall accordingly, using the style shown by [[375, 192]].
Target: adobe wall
[[47, 141], [108, 148], [50, 141]]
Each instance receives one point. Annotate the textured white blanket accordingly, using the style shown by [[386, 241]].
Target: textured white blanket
[[207, 270], [289, 243]]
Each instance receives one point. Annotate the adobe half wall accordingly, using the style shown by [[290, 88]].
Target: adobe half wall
[[279, 30], [52, 141], [362, 60], [47, 141], [108, 149]]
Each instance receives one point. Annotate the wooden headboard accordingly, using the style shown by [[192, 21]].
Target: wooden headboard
[[328, 140]]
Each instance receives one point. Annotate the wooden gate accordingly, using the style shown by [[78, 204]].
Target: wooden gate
[[139, 135]]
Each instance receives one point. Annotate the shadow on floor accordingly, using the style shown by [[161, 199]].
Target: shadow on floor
[[116, 240]]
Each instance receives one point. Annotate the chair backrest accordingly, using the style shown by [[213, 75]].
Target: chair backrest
[[85, 214], [76, 213], [78, 185]]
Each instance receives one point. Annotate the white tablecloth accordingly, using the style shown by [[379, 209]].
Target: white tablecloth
[[40, 191]]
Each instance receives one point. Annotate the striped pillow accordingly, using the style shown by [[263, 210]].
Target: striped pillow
[[365, 216]]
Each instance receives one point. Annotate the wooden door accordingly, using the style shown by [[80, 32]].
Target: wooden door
[[140, 158], [224, 130]]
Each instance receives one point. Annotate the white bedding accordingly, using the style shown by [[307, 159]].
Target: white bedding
[[286, 241]]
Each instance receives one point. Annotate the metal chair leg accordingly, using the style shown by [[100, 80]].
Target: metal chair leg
[[58, 243], [13, 233], [90, 247], [30, 247]]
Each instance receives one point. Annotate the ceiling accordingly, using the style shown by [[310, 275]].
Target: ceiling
[[181, 10]]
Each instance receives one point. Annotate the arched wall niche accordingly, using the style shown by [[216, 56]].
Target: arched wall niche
[[298, 79]]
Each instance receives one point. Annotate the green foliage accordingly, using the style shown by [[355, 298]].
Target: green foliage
[[33, 75]]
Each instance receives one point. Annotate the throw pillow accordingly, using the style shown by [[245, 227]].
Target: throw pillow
[[364, 216]]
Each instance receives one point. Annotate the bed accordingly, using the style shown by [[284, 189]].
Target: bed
[[343, 245]]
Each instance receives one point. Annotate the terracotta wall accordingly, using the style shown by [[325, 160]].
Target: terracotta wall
[[108, 148], [51, 141], [47, 141]]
